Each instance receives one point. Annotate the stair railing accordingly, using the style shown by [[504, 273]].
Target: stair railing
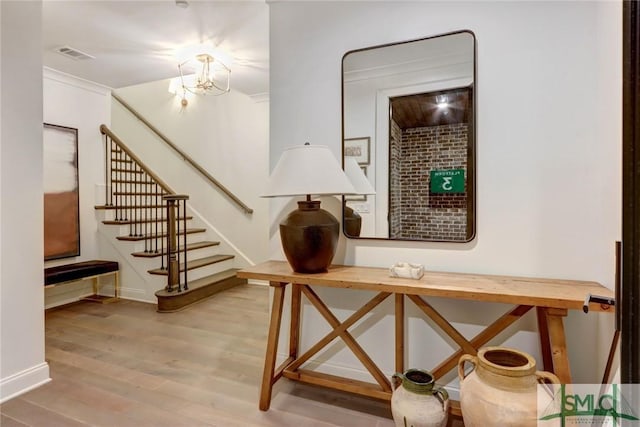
[[140, 198]]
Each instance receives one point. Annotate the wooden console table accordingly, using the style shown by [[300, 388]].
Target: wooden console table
[[551, 298]]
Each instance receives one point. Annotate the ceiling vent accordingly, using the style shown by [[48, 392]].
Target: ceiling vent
[[72, 53]]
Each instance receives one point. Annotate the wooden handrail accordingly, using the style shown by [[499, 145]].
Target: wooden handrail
[[185, 156], [106, 131]]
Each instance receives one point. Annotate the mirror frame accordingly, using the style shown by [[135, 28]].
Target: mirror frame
[[471, 146]]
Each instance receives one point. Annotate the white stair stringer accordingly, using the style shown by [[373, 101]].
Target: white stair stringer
[[241, 260]]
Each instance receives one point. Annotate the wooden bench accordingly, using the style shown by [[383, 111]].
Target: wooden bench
[[85, 270]]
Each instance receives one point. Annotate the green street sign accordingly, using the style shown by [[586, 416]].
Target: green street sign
[[449, 181]]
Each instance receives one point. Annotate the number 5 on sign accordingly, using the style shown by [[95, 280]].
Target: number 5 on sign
[[447, 181]]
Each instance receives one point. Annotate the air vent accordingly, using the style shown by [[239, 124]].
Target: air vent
[[72, 53]]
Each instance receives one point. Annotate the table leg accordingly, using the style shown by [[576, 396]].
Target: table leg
[[399, 333], [558, 344], [545, 345], [294, 330], [272, 345]]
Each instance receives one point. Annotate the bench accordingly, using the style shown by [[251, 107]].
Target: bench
[[85, 270]]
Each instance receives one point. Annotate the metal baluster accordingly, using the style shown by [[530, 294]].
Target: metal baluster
[[177, 239], [111, 171], [184, 241], [129, 167], [118, 195], [106, 169], [145, 215], [158, 236], [169, 267], [140, 197]]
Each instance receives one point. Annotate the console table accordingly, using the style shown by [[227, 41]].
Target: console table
[[551, 299]]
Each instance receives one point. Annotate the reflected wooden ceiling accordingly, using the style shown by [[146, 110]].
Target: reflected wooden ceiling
[[431, 109]]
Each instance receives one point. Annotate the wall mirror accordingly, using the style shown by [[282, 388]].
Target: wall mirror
[[408, 119]]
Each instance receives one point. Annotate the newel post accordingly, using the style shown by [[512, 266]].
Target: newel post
[[172, 231]]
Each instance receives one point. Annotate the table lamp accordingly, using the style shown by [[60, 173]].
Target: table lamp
[[353, 220], [309, 234]]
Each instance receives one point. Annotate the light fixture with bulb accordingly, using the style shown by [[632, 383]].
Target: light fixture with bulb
[[203, 71], [442, 101]]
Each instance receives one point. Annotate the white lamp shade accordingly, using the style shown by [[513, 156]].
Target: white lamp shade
[[357, 177], [308, 169]]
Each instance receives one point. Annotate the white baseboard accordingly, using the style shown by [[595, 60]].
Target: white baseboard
[[136, 295], [24, 381]]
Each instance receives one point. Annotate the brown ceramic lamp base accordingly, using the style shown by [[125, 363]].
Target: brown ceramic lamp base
[[309, 237], [352, 221]]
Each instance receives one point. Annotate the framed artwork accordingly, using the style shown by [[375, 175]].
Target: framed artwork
[[358, 148], [61, 192], [357, 197]]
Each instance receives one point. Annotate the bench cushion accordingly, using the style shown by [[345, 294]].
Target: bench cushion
[[77, 271]]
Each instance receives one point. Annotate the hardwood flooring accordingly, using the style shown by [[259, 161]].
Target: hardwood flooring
[[124, 364]]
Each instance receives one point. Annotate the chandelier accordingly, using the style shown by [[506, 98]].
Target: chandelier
[[202, 73]]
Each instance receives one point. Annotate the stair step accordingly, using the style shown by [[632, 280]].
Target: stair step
[[199, 290], [140, 221], [190, 247], [196, 263], [123, 207], [126, 170], [163, 234], [131, 181], [136, 193]]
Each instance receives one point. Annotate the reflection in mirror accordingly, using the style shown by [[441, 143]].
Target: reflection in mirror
[[408, 120]]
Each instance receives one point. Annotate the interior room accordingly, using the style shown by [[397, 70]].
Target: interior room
[[478, 190]]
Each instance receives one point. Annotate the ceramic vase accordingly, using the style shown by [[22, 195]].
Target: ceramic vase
[[417, 401], [501, 388]]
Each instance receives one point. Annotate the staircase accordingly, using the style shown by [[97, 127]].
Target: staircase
[[155, 223]]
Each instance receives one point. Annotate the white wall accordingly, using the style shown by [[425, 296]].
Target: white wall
[[548, 151], [227, 135], [73, 102], [22, 363]]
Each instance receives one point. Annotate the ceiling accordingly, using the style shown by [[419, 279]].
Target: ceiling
[[421, 110], [134, 42]]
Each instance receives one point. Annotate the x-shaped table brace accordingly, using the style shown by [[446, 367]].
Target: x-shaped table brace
[[549, 321]]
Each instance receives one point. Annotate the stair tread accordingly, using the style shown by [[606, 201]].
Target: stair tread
[[136, 193], [196, 263], [140, 221], [154, 235], [131, 181], [127, 170], [112, 207], [190, 247]]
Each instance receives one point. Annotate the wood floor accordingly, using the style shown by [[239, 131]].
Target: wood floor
[[123, 364]]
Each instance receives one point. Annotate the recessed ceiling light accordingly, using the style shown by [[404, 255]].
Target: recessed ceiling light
[[182, 3]]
